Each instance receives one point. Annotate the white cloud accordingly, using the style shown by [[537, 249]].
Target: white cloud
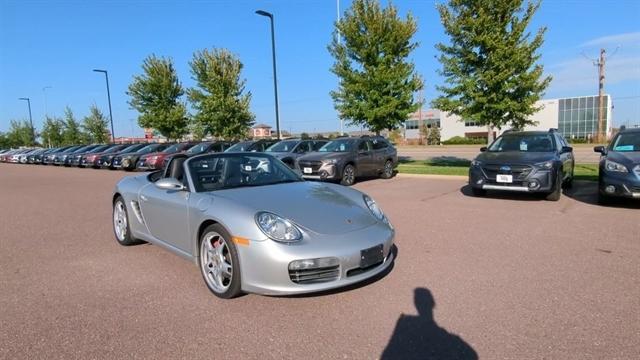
[[580, 75], [614, 40]]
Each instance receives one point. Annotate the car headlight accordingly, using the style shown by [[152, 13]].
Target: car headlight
[[330, 161], [614, 166], [375, 209], [476, 163], [277, 228], [545, 165]]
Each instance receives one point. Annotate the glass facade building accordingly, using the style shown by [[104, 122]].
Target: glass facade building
[[578, 117]]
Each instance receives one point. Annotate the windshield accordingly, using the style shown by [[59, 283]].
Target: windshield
[[626, 142], [524, 143], [283, 146], [337, 146], [148, 149], [113, 149], [197, 149], [176, 148], [99, 148], [227, 171], [240, 147]]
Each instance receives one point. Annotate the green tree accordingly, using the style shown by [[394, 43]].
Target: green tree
[[156, 96], [305, 136], [96, 126], [20, 133], [220, 99], [72, 133], [52, 132], [376, 81], [5, 143], [424, 133], [490, 64]]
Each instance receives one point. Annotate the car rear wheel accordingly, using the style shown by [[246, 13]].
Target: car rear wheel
[[348, 175], [557, 188], [219, 262], [387, 171], [121, 224]]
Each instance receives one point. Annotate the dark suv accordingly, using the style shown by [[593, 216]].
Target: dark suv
[[345, 159], [619, 173], [291, 149], [524, 161]]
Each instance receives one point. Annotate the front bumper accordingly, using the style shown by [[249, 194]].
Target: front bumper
[[536, 181], [265, 264], [619, 184], [323, 172]]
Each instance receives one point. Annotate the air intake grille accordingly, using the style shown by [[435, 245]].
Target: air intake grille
[[316, 275]]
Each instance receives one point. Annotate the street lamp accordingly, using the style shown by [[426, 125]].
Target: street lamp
[[275, 78], [33, 131], [106, 76]]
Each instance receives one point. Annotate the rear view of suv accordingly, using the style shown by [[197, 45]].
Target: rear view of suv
[[524, 161], [346, 159]]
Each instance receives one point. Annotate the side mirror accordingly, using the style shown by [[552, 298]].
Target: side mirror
[[600, 149], [566, 149], [170, 184], [483, 149]]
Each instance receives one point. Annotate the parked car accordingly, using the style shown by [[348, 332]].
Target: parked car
[[31, 157], [39, 158], [154, 160], [127, 161], [61, 157], [91, 159], [346, 159], [106, 160], [76, 159], [288, 151], [24, 157], [524, 161], [254, 225], [619, 174], [252, 145], [70, 158], [201, 148], [50, 158]]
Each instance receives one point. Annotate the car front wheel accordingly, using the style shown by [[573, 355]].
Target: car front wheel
[[219, 262], [557, 188], [387, 171], [348, 175], [121, 224]]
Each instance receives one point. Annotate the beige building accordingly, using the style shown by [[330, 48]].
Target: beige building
[[261, 131]]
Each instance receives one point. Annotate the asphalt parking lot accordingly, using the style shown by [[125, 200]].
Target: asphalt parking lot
[[509, 277]]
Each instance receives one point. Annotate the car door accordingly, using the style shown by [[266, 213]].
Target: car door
[[166, 214], [379, 154], [365, 157], [566, 158]]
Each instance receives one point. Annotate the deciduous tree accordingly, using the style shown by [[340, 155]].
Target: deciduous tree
[[96, 125], [52, 132], [72, 133]]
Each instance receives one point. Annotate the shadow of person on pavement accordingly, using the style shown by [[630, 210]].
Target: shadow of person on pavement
[[419, 337]]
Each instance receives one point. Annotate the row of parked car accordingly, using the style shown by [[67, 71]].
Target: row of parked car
[[343, 159]]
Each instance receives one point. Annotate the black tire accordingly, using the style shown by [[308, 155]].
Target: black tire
[[387, 170], [568, 184], [603, 199], [124, 238], [234, 287], [348, 175], [557, 188], [478, 192]]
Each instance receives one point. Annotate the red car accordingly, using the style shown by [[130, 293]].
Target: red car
[[91, 159], [154, 161]]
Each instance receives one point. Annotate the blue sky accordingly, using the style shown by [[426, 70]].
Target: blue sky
[[58, 43]]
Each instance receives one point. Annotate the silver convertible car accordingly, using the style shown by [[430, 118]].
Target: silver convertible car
[[252, 224]]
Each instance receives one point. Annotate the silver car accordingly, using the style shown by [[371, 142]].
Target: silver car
[[251, 224]]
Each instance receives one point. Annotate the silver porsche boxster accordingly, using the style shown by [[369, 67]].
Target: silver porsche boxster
[[252, 224]]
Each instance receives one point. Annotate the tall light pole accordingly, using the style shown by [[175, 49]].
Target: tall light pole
[[106, 76], [44, 92], [33, 131], [275, 78]]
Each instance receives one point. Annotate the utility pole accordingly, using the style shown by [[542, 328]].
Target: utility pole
[[338, 40], [602, 136]]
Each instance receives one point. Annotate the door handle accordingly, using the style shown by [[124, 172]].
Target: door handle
[[143, 198]]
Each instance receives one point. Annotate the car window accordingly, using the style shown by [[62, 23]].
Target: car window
[[283, 146], [344, 145], [317, 145], [227, 171], [364, 145], [523, 142], [626, 142], [379, 144]]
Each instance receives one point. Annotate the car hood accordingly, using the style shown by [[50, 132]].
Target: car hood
[[318, 156], [313, 206], [127, 154], [626, 158], [515, 157]]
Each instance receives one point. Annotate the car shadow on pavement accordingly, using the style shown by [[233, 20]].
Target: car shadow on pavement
[[420, 337], [466, 191], [587, 192], [380, 276]]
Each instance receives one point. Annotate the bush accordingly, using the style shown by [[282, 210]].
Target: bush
[[459, 140]]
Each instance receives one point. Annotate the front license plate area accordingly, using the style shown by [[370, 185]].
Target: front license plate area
[[501, 178], [371, 256], [307, 170]]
